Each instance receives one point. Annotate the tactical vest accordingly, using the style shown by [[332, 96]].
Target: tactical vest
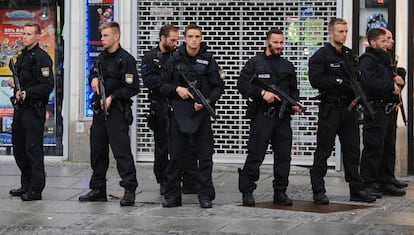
[[195, 69]]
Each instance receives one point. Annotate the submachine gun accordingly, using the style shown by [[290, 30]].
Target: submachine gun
[[102, 92], [359, 93], [16, 102], [276, 90], [199, 96]]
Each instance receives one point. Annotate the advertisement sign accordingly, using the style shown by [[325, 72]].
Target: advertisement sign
[[97, 13], [11, 43]]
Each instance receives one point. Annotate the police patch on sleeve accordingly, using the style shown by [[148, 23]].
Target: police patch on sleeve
[[129, 78], [45, 72]]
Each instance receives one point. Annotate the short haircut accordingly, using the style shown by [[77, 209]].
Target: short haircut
[[273, 31], [192, 26], [167, 29], [35, 25], [335, 21], [373, 34], [112, 25]]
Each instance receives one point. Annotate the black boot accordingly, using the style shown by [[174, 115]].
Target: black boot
[[399, 184], [282, 199], [362, 195], [17, 192], [320, 198], [31, 196], [128, 199], [373, 190], [95, 195], [172, 202], [248, 199], [206, 203], [390, 189]]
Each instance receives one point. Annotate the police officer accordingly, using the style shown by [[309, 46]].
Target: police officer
[[382, 88], [387, 167], [153, 65], [326, 73], [34, 71], [118, 69], [189, 117], [268, 121]]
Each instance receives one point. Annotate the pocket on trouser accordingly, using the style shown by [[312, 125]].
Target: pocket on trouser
[[128, 115]]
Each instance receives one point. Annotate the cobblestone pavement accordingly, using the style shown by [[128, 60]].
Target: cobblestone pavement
[[60, 212]]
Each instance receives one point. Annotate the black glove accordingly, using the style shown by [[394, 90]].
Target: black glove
[[401, 72]]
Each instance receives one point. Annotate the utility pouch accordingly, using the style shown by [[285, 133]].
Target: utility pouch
[[96, 104], [125, 108], [251, 109], [150, 118]]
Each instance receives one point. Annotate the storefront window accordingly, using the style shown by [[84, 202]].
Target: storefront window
[[14, 14], [373, 14]]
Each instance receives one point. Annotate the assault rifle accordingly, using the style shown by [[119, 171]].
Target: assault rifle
[[16, 102], [102, 92], [400, 100], [359, 93], [279, 92], [199, 96]]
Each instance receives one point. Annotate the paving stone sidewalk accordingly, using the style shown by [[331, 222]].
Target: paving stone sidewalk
[[60, 212]]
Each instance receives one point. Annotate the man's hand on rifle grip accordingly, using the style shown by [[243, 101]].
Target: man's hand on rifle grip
[[184, 93], [269, 97], [95, 85]]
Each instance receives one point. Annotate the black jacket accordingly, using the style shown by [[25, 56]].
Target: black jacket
[[152, 67], [377, 78], [203, 64], [119, 73], [272, 70], [35, 72], [202, 70], [326, 72]]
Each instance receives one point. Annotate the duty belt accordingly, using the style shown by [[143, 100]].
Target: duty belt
[[387, 106], [35, 103]]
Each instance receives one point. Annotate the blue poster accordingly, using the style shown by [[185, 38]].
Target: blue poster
[[97, 13]]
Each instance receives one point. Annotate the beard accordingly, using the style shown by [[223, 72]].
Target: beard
[[168, 47], [276, 52]]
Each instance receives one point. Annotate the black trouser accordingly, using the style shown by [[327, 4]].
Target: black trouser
[[334, 120], [27, 138], [115, 132], [378, 155], [160, 140], [190, 169], [387, 168], [203, 149], [262, 130]]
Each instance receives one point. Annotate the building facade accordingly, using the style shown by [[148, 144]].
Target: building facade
[[235, 31]]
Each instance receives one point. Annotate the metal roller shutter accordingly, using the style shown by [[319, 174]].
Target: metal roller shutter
[[235, 31]]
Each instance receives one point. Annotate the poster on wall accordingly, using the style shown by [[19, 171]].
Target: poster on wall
[[11, 40], [97, 13]]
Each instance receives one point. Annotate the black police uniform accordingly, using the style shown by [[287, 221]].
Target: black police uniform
[[326, 74], [266, 124], [379, 133], [121, 82], [186, 123], [153, 65], [34, 69]]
